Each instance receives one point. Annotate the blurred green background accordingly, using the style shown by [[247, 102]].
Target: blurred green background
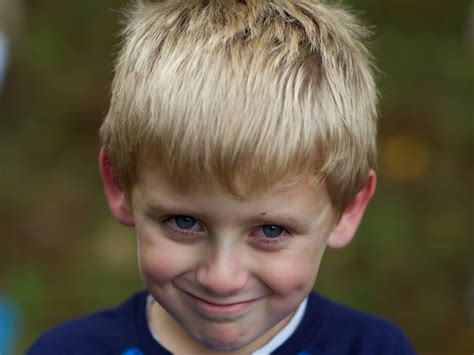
[[62, 255]]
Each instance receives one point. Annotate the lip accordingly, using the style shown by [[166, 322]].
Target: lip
[[219, 311]]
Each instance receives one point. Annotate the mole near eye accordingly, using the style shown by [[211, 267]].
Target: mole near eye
[[185, 222], [272, 231]]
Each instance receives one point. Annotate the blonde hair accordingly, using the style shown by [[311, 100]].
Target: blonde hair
[[258, 91]]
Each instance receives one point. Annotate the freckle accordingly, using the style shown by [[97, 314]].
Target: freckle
[[263, 213]]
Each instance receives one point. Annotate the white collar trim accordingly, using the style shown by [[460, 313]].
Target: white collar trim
[[284, 334]]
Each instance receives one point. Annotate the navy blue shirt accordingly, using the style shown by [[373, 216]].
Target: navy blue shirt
[[326, 328]]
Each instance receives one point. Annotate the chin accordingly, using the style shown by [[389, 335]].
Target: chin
[[223, 339]]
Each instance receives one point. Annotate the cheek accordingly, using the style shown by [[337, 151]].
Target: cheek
[[292, 274], [160, 259]]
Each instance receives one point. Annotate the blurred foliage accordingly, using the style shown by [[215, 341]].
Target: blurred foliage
[[62, 255]]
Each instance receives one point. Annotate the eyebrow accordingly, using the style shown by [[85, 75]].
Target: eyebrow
[[301, 226], [156, 209]]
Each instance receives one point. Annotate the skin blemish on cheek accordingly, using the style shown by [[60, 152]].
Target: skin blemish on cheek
[[263, 214]]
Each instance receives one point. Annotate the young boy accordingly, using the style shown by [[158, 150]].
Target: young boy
[[239, 143]]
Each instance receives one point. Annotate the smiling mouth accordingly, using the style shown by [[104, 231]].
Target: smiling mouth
[[220, 310]]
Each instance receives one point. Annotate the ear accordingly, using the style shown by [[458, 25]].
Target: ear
[[116, 197], [352, 216]]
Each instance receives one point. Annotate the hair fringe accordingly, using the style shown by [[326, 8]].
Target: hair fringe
[[254, 91]]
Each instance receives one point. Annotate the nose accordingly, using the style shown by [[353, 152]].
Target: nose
[[223, 271]]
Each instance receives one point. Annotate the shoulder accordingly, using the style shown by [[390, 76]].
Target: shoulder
[[335, 329], [98, 333]]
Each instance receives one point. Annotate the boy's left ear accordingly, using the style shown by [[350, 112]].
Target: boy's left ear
[[352, 216]]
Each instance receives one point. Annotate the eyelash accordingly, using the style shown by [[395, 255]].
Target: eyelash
[[273, 241], [171, 224], [270, 242]]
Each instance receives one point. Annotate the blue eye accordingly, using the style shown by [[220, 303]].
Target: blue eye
[[272, 231], [184, 222]]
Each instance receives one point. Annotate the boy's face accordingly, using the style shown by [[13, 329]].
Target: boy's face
[[230, 271]]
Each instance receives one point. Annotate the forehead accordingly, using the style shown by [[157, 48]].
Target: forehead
[[299, 197]]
